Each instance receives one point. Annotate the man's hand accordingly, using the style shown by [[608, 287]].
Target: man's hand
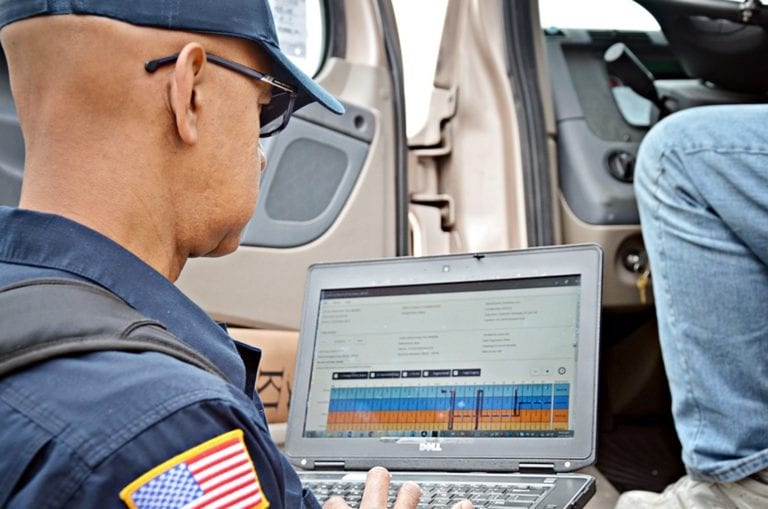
[[377, 490]]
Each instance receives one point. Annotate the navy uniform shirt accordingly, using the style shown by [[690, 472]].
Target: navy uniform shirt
[[79, 431]]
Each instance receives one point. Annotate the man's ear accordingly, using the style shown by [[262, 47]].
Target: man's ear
[[184, 93]]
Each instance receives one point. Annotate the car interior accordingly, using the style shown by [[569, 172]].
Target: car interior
[[530, 139]]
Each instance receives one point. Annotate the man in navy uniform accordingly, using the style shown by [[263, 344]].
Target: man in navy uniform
[[141, 122]]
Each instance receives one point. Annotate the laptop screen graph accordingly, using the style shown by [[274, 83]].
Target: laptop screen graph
[[461, 359]]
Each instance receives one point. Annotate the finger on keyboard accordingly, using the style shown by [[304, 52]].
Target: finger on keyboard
[[408, 496]]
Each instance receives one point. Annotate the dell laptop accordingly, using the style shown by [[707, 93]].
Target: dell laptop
[[474, 375]]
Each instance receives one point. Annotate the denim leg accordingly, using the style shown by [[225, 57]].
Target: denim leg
[[702, 189]]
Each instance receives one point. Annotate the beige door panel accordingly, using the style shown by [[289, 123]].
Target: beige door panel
[[619, 283], [469, 151]]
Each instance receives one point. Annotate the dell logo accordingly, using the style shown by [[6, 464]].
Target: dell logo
[[430, 446]]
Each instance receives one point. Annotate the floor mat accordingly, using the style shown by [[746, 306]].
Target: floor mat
[[640, 456]]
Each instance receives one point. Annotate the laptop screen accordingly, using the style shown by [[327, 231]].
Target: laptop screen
[[484, 361], [493, 358]]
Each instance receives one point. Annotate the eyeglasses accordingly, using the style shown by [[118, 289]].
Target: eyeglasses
[[274, 116]]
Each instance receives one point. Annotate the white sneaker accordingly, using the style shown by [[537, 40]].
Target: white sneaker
[[749, 493]]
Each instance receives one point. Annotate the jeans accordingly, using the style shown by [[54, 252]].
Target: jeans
[[702, 189]]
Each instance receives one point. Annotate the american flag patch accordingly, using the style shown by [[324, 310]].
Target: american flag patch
[[216, 474]]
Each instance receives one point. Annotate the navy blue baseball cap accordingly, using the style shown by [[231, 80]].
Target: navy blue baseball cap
[[246, 19]]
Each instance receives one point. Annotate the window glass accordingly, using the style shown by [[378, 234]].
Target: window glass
[[596, 14], [301, 31]]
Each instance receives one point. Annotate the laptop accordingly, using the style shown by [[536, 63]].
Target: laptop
[[474, 375]]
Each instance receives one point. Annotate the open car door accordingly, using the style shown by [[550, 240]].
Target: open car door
[[497, 157]]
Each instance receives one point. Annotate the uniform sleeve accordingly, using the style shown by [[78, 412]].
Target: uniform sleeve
[[213, 453]]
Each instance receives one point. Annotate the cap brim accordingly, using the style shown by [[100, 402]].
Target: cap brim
[[308, 90]]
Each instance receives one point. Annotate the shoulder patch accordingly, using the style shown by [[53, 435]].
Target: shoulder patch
[[218, 473]]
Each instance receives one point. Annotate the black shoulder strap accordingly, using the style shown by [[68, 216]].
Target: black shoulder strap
[[41, 319]]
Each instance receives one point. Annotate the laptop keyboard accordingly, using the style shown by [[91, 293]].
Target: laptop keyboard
[[434, 495]]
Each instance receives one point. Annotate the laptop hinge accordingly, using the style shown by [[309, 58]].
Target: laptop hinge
[[329, 465], [537, 468]]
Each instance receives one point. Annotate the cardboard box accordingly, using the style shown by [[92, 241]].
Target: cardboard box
[[278, 360]]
